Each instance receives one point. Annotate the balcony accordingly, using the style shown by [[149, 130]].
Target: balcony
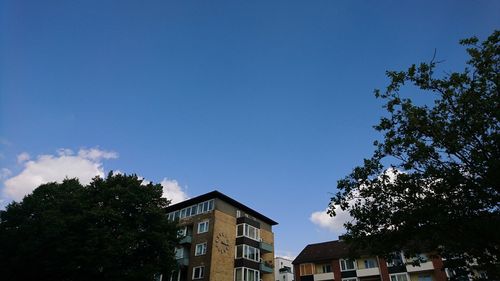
[[368, 272], [183, 261], [323, 276], [266, 247], [186, 240], [422, 267], [265, 267]]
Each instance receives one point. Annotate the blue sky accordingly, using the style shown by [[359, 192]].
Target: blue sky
[[270, 102]]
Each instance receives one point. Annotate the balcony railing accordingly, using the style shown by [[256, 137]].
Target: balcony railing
[[183, 261], [186, 240], [266, 247], [368, 271], [266, 267]]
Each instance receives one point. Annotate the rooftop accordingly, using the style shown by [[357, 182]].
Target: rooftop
[[323, 251], [216, 194]]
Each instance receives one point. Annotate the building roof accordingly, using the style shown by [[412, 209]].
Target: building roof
[[323, 251], [216, 194]]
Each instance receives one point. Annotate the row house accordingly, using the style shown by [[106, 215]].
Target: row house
[[329, 261]]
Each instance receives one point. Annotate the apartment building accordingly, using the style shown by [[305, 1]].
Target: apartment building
[[222, 240], [283, 269], [329, 261]]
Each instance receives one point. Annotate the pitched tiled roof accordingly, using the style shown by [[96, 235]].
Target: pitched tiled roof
[[323, 251]]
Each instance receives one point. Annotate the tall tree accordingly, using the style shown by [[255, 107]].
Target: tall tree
[[112, 229], [433, 181]]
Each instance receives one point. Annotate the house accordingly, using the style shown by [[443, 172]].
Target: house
[[331, 261]]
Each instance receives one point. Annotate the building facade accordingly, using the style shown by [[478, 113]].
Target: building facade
[[222, 240], [283, 269], [329, 261]]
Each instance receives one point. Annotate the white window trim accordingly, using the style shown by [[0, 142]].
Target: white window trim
[[245, 226], [243, 272], [203, 272], [353, 261], [203, 222], [350, 279], [204, 249], [243, 252]]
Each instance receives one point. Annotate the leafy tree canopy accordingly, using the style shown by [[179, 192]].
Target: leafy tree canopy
[[111, 229], [433, 181]]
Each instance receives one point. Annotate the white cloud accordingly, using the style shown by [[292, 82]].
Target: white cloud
[[97, 154], [173, 191], [333, 224], [49, 168], [23, 157]]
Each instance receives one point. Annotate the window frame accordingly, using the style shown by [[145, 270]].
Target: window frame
[[204, 222], [203, 249], [246, 231], [245, 272], [344, 265], [245, 252], [202, 271], [303, 272]]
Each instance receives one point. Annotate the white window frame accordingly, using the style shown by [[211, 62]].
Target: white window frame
[[245, 252], [399, 274], [323, 267], [350, 279], [203, 247], [205, 222], [343, 262], [202, 271], [246, 231], [245, 272]]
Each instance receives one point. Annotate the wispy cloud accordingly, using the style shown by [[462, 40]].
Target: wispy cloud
[[23, 157]]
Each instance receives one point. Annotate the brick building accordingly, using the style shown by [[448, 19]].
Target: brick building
[[222, 240], [330, 261]]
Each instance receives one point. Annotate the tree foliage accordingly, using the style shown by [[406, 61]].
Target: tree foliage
[[111, 229], [433, 181]]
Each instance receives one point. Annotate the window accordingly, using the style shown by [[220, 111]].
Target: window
[[203, 226], [370, 263], [306, 269], [246, 274], [198, 272], [395, 260], [201, 249], [179, 253], [350, 279], [248, 231], [247, 252], [399, 277], [323, 268], [190, 211], [347, 265]]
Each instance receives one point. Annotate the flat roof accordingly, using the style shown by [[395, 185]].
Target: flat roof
[[216, 194]]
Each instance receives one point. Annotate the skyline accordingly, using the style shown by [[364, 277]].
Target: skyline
[[269, 103]]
